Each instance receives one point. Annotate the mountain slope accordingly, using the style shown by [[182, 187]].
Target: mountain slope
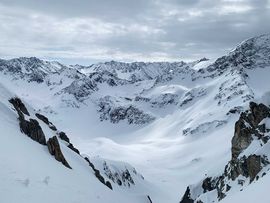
[[173, 121], [33, 175]]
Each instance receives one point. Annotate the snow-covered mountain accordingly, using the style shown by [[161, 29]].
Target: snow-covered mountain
[[173, 122]]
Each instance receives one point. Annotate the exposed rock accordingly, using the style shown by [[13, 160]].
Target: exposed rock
[[19, 105], [55, 150], [63, 136], [148, 197], [186, 198], [108, 184], [121, 177], [32, 129], [46, 120], [116, 114], [246, 166], [204, 128], [258, 113], [247, 128], [207, 184], [98, 175], [43, 118], [73, 148], [236, 109]]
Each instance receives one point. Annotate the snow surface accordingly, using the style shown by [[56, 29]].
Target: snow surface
[[168, 159]]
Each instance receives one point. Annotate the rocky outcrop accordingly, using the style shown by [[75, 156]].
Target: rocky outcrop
[[55, 150], [70, 146], [98, 175], [46, 120], [248, 125], [31, 128], [115, 114], [121, 177], [19, 105], [186, 198], [63, 136], [248, 167], [248, 129]]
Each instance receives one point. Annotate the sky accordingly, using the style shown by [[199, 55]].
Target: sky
[[89, 31]]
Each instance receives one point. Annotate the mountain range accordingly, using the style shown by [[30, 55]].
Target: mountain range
[[189, 132]]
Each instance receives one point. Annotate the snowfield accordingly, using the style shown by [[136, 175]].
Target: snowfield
[[155, 127]]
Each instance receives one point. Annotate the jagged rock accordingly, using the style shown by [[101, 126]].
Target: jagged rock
[[19, 105], [46, 120], [32, 129], [55, 150], [98, 175], [186, 198], [246, 166], [234, 110], [246, 126], [258, 113], [63, 136], [108, 184], [73, 148], [207, 184], [121, 177], [43, 118], [116, 114]]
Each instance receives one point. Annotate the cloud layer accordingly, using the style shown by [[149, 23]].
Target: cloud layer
[[87, 31]]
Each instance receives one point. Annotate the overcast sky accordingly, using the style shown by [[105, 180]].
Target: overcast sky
[[88, 31]]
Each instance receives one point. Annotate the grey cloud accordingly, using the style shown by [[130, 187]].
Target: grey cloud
[[93, 30]]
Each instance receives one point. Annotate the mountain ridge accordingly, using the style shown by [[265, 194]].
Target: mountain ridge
[[151, 115]]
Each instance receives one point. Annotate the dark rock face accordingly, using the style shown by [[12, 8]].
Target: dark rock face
[[43, 118], [129, 113], [186, 198], [73, 148], [148, 197], [207, 184], [121, 177], [98, 175], [55, 150], [246, 166], [32, 129], [247, 128], [19, 105], [63, 136], [237, 109], [46, 120]]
